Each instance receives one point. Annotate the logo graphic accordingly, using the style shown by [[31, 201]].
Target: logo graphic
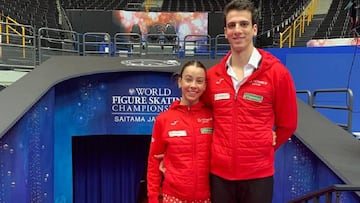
[[219, 81], [221, 96], [258, 82], [206, 130], [204, 120], [174, 122], [253, 97], [141, 104], [177, 133], [132, 91]]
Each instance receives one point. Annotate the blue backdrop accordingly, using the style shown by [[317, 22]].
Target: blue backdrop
[[326, 68], [112, 104]]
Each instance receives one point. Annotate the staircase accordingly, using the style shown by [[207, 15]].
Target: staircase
[[310, 31]]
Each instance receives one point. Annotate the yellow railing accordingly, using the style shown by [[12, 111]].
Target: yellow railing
[[148, 4], [10, 26], [1, 15], [298, 25], [286, 36]]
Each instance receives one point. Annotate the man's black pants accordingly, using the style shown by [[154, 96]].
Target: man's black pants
[[241, 191]]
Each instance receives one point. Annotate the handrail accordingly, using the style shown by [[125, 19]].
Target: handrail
[[8, 26], [308, 93], [218, 44], [167, 47], [286, 35], [348, 107], [338, 188], [298, 23], [149, 4], [123, 43], [68, 43], [21, 44], [104, 40], [195, 39], [1, 20]]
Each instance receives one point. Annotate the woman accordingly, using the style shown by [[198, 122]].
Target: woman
[[183, 134]]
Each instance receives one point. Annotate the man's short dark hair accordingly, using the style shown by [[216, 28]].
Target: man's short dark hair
[[241, 5]]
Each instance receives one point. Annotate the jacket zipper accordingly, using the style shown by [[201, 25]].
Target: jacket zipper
[[194, 150]]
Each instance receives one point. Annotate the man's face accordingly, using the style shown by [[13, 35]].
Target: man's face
[[239, 30]]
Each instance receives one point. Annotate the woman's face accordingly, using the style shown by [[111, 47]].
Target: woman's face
[[192, 83]]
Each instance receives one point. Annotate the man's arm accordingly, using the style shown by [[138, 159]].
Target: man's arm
[[285, 108]]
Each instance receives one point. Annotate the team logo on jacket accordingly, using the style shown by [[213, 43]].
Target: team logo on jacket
[[253, 97], [258, 82], [177, 133], [221, 96], [219, 81], [206, 130], [204, 120], [174, 122]]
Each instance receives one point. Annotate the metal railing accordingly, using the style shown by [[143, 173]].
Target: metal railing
[[328, 193], [17, 45], [128, 44], [197, 45], [348, 107], [311, 100], [308, 94], [46, 42], [97, 43], [222, 46], [67, 43], [298, 25], [165, 44]]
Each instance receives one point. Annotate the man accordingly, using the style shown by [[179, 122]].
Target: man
[[251, 94]]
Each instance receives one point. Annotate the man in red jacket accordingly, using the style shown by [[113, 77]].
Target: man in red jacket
[[251, 94]]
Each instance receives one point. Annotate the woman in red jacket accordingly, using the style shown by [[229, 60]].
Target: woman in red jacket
[[183, 134]]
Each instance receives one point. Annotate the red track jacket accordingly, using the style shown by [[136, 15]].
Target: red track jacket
[[184, 135], [243, 122]]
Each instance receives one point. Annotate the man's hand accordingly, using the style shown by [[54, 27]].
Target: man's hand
[[161, 166], [274, 138]]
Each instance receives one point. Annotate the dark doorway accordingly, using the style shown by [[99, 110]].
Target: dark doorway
[[109, 168]]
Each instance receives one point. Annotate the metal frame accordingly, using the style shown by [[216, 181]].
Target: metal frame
[[348, 107]]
